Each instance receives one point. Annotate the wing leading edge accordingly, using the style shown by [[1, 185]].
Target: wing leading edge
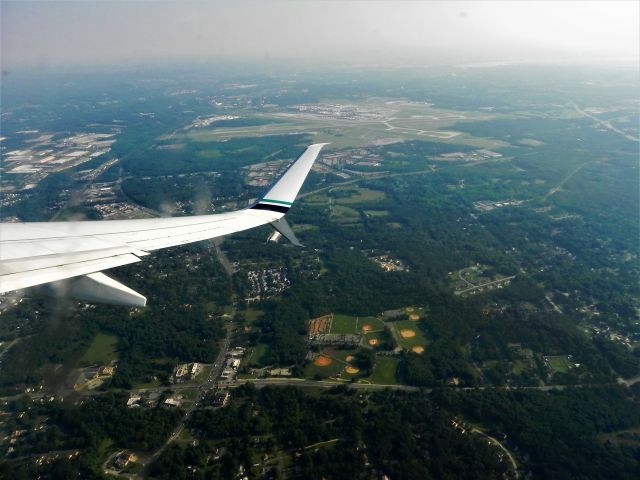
[[49, 252]]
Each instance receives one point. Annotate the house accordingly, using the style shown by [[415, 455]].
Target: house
[[173, 402], [221, 399], [195, 369], [106, 371], [124, 459]]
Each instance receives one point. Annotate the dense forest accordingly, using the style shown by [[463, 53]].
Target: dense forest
[[93, 426], [278, 432], [404, 437], [565, 434], [555, 435], [181, 323]]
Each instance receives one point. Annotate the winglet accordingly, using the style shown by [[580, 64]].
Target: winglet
[[281, 196]]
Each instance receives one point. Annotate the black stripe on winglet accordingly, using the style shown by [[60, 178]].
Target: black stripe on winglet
[[272, 208]]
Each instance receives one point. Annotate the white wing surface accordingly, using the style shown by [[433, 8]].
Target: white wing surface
[[44, 252]]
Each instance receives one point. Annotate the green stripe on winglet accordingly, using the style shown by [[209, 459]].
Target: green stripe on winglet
[[277, 201]]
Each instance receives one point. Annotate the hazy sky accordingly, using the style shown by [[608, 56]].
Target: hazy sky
[[57, 33]]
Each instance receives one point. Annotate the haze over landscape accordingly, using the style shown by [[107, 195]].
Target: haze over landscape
[[466, 304]]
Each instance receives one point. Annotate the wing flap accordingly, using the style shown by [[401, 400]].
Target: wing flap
[[98, 288], [50, 261], [245, 220], [16, 281]]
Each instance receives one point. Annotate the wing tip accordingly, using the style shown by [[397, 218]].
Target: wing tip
[[284, 191]]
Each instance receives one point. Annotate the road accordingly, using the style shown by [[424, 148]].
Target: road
[[364, 179], [431, 169], [557, 188], [605, 124], [302, 382], [555, 307], [500, 445], [458, 292], [222, 258], [211, 381], [6, 348], [465, 280], [305, 383], [54, 455]]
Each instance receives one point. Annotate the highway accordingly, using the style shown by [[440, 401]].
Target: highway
[[605, 124], [211, 381]]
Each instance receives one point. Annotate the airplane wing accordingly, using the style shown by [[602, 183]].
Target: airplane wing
[[47, 252]]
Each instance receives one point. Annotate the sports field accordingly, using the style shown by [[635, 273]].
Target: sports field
[[410, 334], [375, 339], [384, 370], [355, 325], [416, 313], [323, 366], [350, 368], [559, 364]]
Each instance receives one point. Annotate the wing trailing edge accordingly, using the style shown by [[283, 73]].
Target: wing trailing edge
[[97, 288]]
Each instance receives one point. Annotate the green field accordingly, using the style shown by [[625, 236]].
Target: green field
[[203, 375], [518, 367], [343, 324], [256, 357], [376, 324], [101, 351], [377, 335], [419, 340], [359, 195], [209, 154], [559, 364], [317, 199], [349, 324], [384, 371], [342, 214], [336, 368], [251, 315], [376, 213], [303, 227], [342, 355]]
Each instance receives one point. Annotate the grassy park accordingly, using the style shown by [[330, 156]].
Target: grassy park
[[384, 371], [348, 324], [410, 334], [102, 350]]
